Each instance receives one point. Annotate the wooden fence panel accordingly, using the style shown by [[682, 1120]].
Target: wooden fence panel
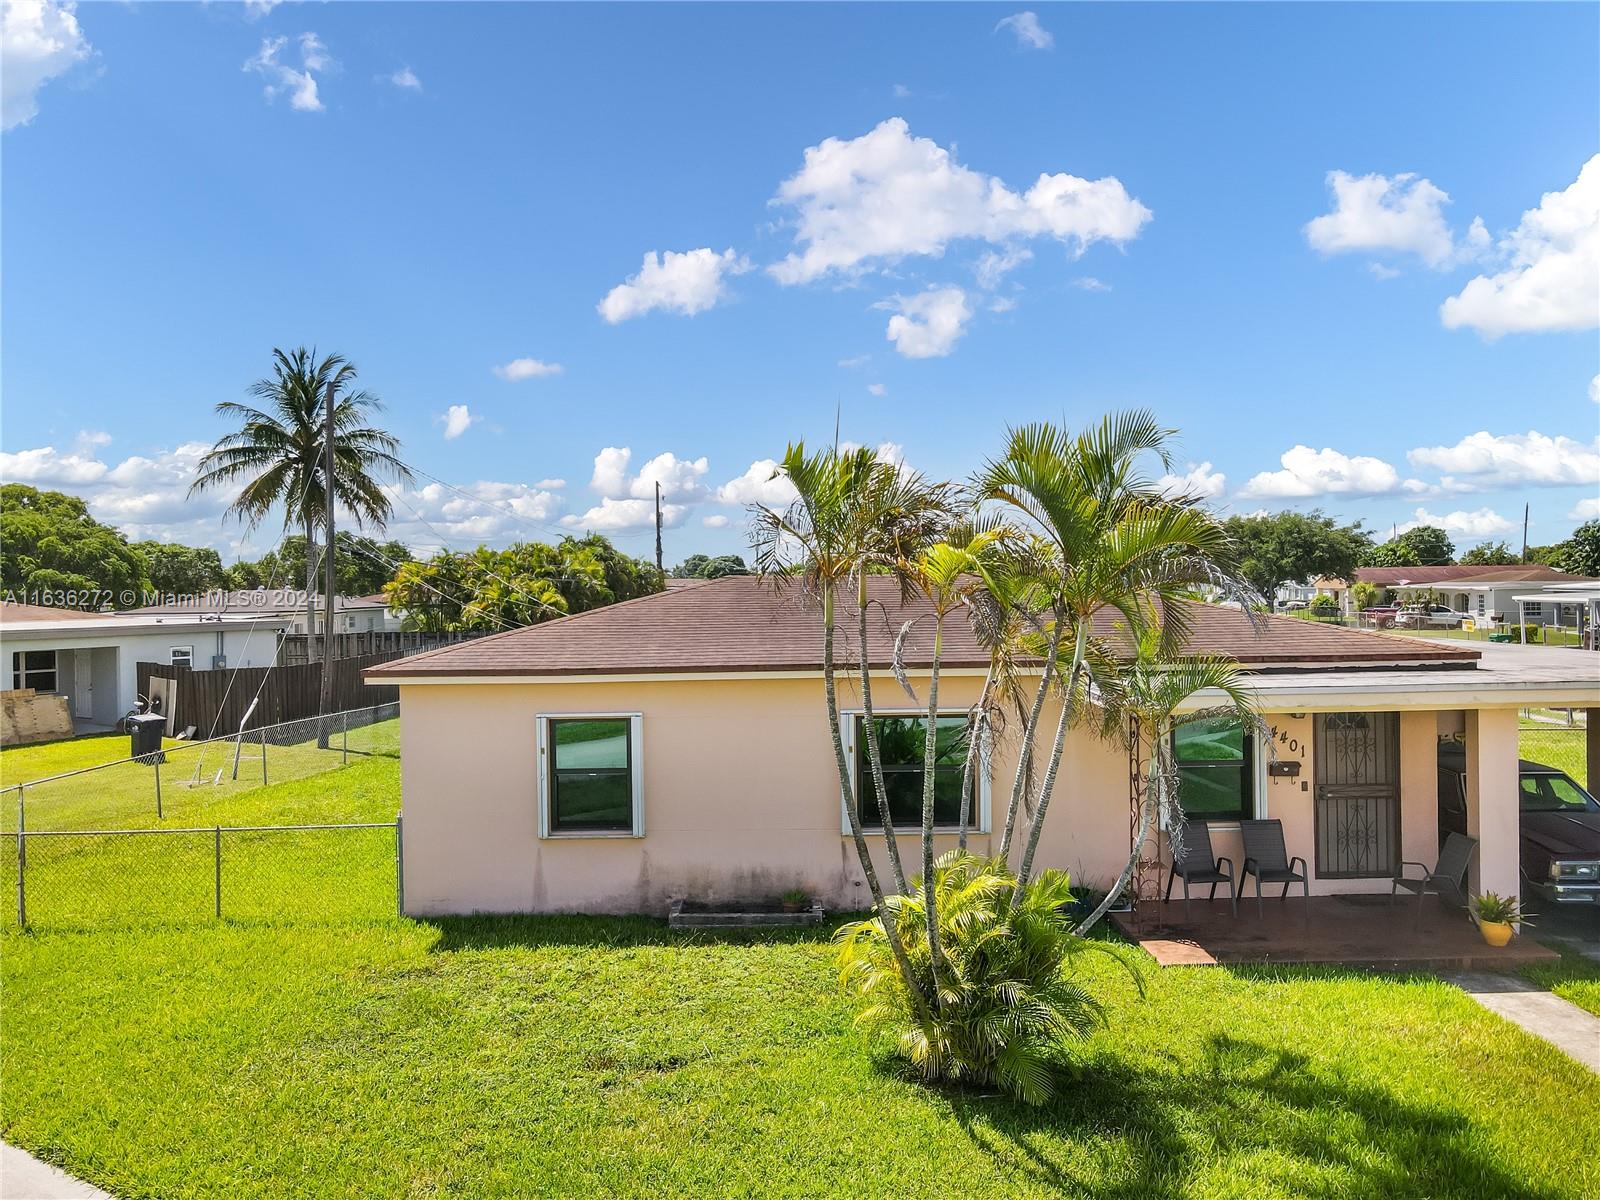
[[215, 702]]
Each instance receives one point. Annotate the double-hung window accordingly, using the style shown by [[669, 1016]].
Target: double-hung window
[[1216, 769], [182, 656], [34, 669], [590, 773], [901, 745]]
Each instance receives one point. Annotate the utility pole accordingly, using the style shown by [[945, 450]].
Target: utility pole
[[659, 567], [325, 702], [1525, 508]]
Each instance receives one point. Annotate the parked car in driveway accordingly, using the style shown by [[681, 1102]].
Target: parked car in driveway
[[1379, 616], [1560, 826], [1430, 616]]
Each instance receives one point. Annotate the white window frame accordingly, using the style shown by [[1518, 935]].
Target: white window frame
[[847, 728], [635, 758], [1259, 791], [181, 656], [20, 673]]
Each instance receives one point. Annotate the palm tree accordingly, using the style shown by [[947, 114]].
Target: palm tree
[[1116, 544], [1141, 710], [278, 453]]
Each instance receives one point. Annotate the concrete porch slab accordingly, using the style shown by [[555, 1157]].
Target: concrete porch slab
[[1361, 931]]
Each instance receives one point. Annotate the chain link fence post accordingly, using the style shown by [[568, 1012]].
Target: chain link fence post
[[263, 756], [344, 759], [399, 867], [22, 861], [158, 790], [218, 861]]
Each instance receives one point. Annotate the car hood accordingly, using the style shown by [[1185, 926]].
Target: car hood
[[1563, 835]]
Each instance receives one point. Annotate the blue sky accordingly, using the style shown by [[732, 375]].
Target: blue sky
[[1091, 208]]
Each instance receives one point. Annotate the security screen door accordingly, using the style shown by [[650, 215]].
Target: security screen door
[[1358, 794]]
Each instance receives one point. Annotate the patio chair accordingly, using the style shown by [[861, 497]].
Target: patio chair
[[1198, 865], [1450, 872], [1266, 859]]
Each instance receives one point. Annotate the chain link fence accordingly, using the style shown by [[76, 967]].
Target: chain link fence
[[1556, 737]]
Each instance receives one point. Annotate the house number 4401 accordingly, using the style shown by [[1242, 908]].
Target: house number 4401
[[1283, 738]]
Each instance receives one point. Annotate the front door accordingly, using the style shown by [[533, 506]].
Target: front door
[[83, 684], [1358, 795]]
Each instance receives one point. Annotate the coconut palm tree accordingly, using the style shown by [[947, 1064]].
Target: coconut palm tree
[[1117, 545], [1141, 709], [278, 452]]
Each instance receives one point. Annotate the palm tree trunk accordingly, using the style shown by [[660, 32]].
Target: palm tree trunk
[[973, 734], [1152, 802], [1029, 730], [874, 756], [930, 754], [891, 929], [1056, 749]]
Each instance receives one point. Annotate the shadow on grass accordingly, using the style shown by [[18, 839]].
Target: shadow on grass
[[504, 931], [1152, 1126]]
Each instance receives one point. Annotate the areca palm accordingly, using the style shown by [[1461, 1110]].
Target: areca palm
[[1116, 544], [278, 451]]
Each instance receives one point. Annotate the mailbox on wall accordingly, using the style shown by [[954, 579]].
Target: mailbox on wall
[[1289, 768]]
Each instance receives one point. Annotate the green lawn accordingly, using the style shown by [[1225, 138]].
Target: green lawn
[[517, 1057], [1556, 746], [1576, 977]]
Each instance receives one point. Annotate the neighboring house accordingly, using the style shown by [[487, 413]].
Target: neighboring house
[[1575, 605], [1302, 594], [351, 614], [92, 657], [1487, 594], [676, 746]]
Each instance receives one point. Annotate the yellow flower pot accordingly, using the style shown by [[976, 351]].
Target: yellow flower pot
[[1496, 933]]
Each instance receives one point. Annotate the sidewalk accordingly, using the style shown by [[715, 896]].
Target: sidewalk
[[24, 1177], [1545, 1015]]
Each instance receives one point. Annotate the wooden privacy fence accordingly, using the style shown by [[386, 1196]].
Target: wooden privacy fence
[[297, 648], [214, 702]]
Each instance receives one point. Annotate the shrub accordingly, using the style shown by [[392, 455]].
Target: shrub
[[1495, 908], [1005, 997]]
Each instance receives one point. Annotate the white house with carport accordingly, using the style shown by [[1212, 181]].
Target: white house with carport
[[92, 657]]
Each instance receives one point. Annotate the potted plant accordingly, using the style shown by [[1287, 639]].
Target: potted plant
[[795, 900], [1498, 917]]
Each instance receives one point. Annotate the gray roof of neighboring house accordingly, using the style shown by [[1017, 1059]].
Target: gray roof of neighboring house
[[1462, 573], [257, 600]]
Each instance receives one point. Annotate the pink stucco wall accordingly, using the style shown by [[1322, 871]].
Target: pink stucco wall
[[741, 799]]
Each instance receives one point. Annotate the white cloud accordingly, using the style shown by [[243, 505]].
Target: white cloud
[[1090, 284], [859, 360], [406, 79], [1002, 304], [1552, 277], [762, 483], [1030, 34], [1198, 480], [1481, 461], [527, 368], [300, 84], [611, 470], [1400, 214], [259, 8], [877, 389], [929, 324], [680, 479], [886, 195], [456, 419], [1380, 271], [88, 439], [715, 521], [43, 467], [485, 512], [613, 515], [1327, 472], [1587, 509], [686, 283], [1594, 389], [39, 40], [996, 264], [1476, 525], [901, 91]]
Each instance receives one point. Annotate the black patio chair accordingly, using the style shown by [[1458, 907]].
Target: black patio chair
[[1198, 865], [1450, 872], [1266, 859]]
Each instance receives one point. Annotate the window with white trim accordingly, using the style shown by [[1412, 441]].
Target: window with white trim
[[590, 775], [182, 656], [1215, 757], [34, 669], [901, 745]]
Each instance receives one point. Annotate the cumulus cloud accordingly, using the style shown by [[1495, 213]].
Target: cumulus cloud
[[527, 368], [686, 283], [1594, 389], [860, 360], [929, 324], [680, 479], [1476, 525], [1482, 461], [456, 419], [299, 82], [1089, 283], [1586, 509], [1551, 280], [762, 483], [996, 264], [1328, 472], [613, 515], [1400, 214], [877, 389], [1198, 481], [406, 79], [715, 521], [1030, 34], [886, 195], [39, 40], [485, 512]]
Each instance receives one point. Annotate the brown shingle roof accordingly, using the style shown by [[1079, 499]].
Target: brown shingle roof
[[1459, 573], [744, 624], [10, 610]]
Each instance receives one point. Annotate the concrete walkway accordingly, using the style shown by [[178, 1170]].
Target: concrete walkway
[[1560, 1022], [24, 1177]]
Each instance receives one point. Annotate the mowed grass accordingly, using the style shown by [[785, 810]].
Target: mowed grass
[[1556, 746], [91, 880], [1576, 977], [611, 1057]]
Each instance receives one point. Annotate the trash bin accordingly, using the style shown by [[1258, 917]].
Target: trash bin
[[147, 729]]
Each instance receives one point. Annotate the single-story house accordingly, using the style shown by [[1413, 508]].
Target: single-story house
[[351, 614], [92, 657], [1577, 605], [676, 745], [1487, 594]]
